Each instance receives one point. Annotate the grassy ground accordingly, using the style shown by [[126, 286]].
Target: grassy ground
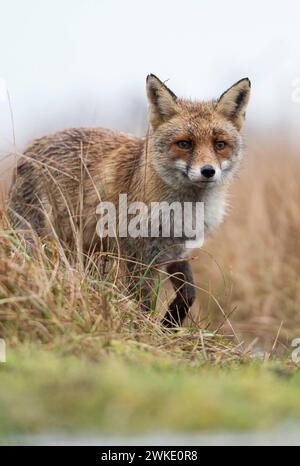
[[82, 356], [135, 390]]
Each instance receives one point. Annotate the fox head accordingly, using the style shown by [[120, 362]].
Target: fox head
[[196, 143]]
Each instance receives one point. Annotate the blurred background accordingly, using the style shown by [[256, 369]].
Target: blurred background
[[72, 63]]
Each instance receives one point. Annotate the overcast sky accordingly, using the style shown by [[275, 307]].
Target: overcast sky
[[84, 62]]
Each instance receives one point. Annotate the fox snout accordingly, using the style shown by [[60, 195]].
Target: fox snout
[[206, 173]]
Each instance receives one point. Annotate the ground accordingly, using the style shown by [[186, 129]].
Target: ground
[[133, 390]]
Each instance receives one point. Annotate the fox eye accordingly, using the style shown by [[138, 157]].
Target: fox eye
[[185, 145], [220, 145]]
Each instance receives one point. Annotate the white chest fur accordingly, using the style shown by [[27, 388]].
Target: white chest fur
[[214, 212]]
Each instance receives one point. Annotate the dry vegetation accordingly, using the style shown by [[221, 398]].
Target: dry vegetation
[[63, 302]]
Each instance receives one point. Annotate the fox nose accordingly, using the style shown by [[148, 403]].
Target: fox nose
[[208, 171]]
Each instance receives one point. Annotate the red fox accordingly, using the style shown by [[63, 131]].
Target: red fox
[[191, 153]]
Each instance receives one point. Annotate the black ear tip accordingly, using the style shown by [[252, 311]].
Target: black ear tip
[[248, 81], [243, 81], [151, 76]]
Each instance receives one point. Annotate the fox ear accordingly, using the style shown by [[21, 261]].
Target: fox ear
[[234, 101], [161, 100]]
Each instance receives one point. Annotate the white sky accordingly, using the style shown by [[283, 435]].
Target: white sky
[[84, 62]]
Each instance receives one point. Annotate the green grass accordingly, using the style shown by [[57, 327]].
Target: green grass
[[134, 391]]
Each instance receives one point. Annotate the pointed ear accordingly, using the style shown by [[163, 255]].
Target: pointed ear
[[234, 101], [161, 100]]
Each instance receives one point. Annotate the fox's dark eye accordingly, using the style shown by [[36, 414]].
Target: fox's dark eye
[[220, 145], [185, 145]]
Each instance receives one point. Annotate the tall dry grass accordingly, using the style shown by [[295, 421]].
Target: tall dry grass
[[7, 164], [49, 299]]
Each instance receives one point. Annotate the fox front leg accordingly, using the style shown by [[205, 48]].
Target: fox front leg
[[182, 281]]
